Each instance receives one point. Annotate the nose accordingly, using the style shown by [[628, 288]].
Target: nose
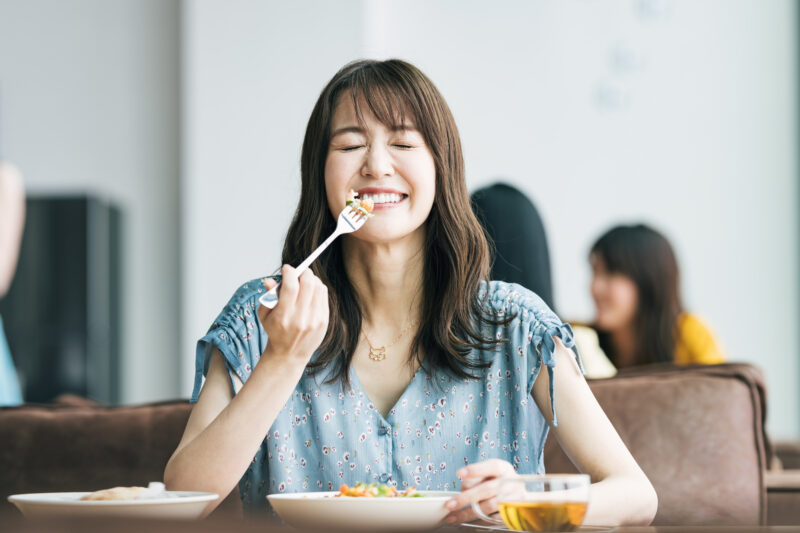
[[377, 163]]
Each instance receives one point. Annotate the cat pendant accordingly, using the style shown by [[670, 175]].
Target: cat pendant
[[377, 354]]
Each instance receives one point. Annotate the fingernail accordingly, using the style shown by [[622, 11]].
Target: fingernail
[[451, 504], [462, 472], [450, 520]]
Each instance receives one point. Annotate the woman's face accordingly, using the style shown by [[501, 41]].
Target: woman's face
[[393, 168], [615, 297]]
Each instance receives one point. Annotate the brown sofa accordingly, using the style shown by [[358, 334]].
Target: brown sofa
[[697, 432], [78, 445]]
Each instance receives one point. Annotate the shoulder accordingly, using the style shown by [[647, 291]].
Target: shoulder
[[692, 330], [696, 342], [527, 315], [243, 302], [10, 179], [691, 323], [500, 299], [12, 191]]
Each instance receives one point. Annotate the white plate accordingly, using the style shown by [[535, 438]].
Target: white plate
[[321, 509], [178, 504]]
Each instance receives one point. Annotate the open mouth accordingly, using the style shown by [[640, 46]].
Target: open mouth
[[384, 200]]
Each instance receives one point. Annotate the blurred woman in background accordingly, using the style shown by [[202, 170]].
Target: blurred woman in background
[[12, 221], [639, 318]]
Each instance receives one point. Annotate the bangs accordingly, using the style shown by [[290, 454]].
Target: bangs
[[614, 250], [384, 95]]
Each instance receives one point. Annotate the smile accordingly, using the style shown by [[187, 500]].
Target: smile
[[384, 200]]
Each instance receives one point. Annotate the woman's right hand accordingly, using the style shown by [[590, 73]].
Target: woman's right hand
[[298, 323]]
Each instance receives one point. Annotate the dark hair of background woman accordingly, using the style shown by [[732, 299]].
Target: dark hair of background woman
[[516, 232], [645, 256], [456, 251]]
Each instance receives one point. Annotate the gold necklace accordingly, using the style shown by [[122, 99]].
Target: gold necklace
[[379, 353]]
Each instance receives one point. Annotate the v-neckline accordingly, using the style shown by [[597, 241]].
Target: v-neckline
[[355, 379]]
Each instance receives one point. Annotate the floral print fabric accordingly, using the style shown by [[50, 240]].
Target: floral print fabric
[[325, 436]]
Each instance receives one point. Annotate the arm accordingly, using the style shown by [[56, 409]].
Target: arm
[[12, 222], [621, 493], [225, 431]]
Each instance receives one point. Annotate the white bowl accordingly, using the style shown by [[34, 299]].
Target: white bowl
[[176, 505], [323, 510]]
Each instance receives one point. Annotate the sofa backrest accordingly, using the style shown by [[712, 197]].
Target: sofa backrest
[[53, 448], [697, 432]]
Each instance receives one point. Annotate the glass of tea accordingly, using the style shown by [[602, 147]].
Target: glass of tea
[[547, 502]]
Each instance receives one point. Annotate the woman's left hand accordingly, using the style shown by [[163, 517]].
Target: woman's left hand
[[478, 484]]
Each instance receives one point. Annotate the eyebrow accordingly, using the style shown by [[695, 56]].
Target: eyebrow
[[358, 129]]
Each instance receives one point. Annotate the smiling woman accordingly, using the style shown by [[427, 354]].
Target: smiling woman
[[394, 359]]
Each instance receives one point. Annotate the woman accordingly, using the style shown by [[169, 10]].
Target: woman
[[12, 222], [392, 359], [639, 317]]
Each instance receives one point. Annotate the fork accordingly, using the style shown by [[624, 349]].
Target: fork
[[350, 219]]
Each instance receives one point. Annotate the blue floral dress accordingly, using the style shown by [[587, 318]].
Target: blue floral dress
[[325, 436]]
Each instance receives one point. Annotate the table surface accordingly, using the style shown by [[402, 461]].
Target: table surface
[[14, 524]]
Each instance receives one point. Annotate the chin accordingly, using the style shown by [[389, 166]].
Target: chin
[[602, 324]]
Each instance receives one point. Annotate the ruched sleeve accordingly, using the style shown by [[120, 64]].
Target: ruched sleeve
[[236, 333], [532, 332]]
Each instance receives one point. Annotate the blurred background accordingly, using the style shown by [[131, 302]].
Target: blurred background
[[172, 130]]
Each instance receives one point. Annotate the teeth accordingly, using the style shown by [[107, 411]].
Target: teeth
[[383, 198]]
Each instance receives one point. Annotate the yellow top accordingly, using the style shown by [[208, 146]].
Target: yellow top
[[695, 343]]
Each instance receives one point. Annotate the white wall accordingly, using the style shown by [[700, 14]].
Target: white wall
[[90, 94], [696, 135], [252, 72], [678, 113]]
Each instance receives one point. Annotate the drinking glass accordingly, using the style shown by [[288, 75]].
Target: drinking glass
[[546, 502]]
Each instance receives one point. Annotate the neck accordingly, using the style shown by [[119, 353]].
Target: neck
[[624, 342], [388, 279]]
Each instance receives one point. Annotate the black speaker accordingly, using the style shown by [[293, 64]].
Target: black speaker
[[61, 314]]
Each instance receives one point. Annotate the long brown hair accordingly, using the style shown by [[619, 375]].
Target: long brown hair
[[456, 251], [645, 256]]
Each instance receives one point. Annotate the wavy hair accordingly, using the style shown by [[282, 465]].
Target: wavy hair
[[456, 251]]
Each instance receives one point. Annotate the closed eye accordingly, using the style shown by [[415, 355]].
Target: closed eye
[[350, 148], [403, 146]]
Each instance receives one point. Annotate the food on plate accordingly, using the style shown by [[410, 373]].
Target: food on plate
[[116, 493], [373, 490], [154, 490], [364, 207]]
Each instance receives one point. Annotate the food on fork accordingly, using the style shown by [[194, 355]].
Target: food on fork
[[373, 490], [362, 206]]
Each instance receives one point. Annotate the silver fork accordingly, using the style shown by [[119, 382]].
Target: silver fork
[[350, 219]]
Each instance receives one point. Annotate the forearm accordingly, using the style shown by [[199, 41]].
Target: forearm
[[218, 457], [621, 501]]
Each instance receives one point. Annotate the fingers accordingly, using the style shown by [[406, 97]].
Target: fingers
[[478, 493], [290, 285], [479, 483], [487, 507], [489, 468]]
